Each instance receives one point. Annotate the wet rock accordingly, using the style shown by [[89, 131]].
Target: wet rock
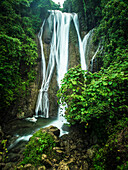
[[55, 130], [54, 160], [42, 168], [90, 152], [17, 150], [9, 166], [2, 165], [73, 147], [44, 156], [29, 167], [1, 132], [70, 161], [55, 167], [85, 165], [13, 157], [48, 28], [47, 163], [74, 167], [0, 158], [63, 166], [67, 148], [58, 150], [52, 129], [65, 127]]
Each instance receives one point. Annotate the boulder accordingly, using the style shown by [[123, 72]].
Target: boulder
[[52, 129], [47, 163], [85, 165], [74, 167], [28, 167], [1, 132], [2, 165], [42, 168], [73, 147], [12, 157], [9, 166], [63, 166], [48, 30], [44, 156], [90, 152]]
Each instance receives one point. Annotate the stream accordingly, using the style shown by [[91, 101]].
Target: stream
[[22, 130]]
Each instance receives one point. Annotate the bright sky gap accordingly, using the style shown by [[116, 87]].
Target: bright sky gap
[[59, 1]]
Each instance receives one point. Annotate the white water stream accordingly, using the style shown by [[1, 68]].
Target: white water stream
[[82, 43], [94, 56], [59, 57]]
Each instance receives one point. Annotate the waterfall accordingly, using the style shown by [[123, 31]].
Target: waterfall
[[92, 60], [82, 44], [58, 56]]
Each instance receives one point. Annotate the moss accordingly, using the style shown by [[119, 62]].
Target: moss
[[40, 143], [113, 154]]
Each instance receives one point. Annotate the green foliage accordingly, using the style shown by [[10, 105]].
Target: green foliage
[[3, 150], [40, 143], [113, 154], [70, 92], [112, 30], [97, 97], [99, 101], [10, 53], [92, 13], [77, 7], [20, 20], [89, 12]]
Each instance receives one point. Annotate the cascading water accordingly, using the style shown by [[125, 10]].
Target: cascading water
[[60, 23], [98, 49], [82, 44], [42, 96], [58, 55]]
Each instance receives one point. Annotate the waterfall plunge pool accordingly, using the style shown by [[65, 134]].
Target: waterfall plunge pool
[[22, 130]]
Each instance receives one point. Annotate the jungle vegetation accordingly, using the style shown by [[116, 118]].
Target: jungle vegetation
[[97, 100], [20, 21]]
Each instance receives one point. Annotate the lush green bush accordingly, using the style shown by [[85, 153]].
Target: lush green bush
[[99, 101], [77, 7], [3, 150], [40, 143], [99, 96], [113, 154], [10, 53], [20, 20], [112, 30]]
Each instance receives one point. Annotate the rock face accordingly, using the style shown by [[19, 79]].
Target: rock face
[[74, 56], [48, 29], [25, 106], [53, 83], [72, 152]]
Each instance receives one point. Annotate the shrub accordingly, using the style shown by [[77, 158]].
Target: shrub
[[98, 98], [40, 143], [113, 154]]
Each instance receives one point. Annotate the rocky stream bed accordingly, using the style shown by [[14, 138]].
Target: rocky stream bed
[[73, 151]]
